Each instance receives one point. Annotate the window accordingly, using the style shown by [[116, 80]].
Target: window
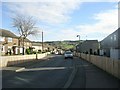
[[3, 48], [2, 38], [114, 37], [9, 39], [111, 38]]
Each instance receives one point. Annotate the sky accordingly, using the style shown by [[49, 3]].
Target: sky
[[64, 19]]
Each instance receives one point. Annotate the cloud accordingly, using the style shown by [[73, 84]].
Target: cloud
[[59, 12], [50, 12], [59, 0], [106, 23], [68, 34]]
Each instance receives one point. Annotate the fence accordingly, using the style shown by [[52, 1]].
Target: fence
[[109, 65], [11, 60]]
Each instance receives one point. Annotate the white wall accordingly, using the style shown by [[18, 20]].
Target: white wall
[[37, 48], [21, 50], [4, 60], [16, 50]]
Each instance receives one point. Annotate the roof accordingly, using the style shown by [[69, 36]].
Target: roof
[[88, 41], [7, 33], [91, 41], [36, 43], [27, 40], [116, 31]]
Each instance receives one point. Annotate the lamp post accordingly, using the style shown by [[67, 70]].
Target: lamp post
[[78, 47], [79, 38]]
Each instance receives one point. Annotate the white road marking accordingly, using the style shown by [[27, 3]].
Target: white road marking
[[44, 68]]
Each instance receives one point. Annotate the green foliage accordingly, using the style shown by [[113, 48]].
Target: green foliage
[[44, 51], [34, 52], [65, 45], [39, 51], [28, 51], [68, 46]]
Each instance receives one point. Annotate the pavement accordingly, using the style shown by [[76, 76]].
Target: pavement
[[56, 72], [90, 76]]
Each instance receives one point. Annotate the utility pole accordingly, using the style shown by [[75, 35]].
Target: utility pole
[[42, 41], [23, 45]]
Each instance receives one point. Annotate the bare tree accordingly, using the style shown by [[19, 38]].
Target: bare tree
[[25, 25]]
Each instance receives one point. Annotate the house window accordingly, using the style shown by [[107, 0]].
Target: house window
[[9, 39], [111, 38], [3, 48], [2, 38], [114, 37]]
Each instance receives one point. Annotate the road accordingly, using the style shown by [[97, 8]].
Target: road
[[56, 72]]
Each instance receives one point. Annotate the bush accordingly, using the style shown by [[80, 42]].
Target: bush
[[28, 51], [43, 51], [39, 51], [34, 52]]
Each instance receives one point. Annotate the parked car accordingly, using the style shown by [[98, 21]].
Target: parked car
[[68, 54]]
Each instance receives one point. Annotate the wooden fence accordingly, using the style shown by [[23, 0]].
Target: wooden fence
[[107, 64]]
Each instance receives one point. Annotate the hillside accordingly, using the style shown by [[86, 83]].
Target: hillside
[[63, 44]]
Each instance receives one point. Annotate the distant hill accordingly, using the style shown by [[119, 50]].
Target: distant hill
[[67, 44]]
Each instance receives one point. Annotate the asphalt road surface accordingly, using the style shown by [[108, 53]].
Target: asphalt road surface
[[56, 72]]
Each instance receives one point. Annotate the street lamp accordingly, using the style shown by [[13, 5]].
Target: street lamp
[[78, 47], [79, 38]]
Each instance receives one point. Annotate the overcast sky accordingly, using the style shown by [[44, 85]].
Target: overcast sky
[[64, 20]]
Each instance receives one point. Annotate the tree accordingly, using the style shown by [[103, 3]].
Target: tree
[[25, 26]]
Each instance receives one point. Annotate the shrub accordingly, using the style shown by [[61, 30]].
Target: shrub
[[34, 52], [28, 51], [39, 51]]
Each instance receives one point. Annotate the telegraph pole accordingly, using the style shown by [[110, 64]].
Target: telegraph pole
[[42, 41]]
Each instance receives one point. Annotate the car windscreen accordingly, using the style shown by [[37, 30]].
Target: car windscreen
[[68, 53]]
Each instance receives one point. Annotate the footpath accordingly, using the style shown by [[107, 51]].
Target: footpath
[[90, 76]]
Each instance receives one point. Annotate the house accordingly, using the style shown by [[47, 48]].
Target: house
[[9, 42], [27, 44], [37, 46], [12, 44], [88, 47], [110, 46]]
